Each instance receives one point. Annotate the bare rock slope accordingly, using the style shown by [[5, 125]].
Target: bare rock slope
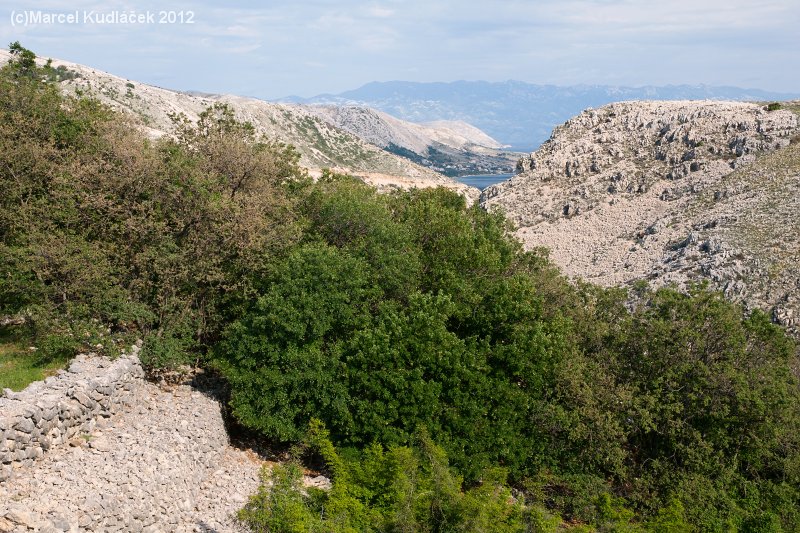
[[670, 192], [453, 147], [320, 143]]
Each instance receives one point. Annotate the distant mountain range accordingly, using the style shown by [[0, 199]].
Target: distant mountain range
[[518, 114]]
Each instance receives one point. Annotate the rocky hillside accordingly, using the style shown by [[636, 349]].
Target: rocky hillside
[[320, 143], [670, 192], [451, 147]]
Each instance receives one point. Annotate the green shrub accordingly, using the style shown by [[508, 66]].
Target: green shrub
[[687, 369], [412, 310], [167, 350], [56, 348], [98, 223], [670, 519], [408, 489], [507, 364]]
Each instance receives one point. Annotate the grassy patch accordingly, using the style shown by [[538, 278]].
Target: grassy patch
[[18, 365], [793, 106]]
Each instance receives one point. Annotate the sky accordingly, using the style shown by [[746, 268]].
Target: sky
[[307, 47]]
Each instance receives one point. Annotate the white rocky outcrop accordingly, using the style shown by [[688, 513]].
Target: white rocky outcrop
[[669, 192], [451, 145], [382, 129]]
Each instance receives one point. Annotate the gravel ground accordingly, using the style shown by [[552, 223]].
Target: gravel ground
[[163, 464]]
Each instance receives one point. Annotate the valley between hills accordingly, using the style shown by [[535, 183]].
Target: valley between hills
[[666, 191], [607, 341]]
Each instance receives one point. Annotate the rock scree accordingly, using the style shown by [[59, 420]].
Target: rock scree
[[673, 193], [99, 448]]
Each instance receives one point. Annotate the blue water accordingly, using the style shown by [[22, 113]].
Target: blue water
[[484, 180]]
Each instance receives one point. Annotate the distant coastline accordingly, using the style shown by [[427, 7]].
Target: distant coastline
[[481, 181]]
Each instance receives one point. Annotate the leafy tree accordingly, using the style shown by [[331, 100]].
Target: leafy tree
[[23, 61], [387, 324], [101, 228]]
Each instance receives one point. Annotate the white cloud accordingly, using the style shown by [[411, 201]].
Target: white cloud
[[380, 12], [242, 49], [356, 41], [377, 40], [674, 16]]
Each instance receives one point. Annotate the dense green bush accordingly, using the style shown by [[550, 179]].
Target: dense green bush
[[102, 229], [683, 401], [409, 309], [399, 310]]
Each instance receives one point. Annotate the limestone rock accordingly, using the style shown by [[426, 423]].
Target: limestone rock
[[615, 191], [160, 462], [22, 518]]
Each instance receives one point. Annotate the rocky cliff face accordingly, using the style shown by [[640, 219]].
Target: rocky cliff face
[[670, 192]]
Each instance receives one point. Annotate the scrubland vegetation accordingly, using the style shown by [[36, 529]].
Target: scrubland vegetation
[[443, 377]]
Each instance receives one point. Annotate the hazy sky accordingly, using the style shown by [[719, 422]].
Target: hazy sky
[[281, 47]]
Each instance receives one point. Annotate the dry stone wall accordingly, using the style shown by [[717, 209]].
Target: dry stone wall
[[139, 457], [51, 412]]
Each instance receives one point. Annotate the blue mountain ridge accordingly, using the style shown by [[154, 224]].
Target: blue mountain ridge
[[518, 114]]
